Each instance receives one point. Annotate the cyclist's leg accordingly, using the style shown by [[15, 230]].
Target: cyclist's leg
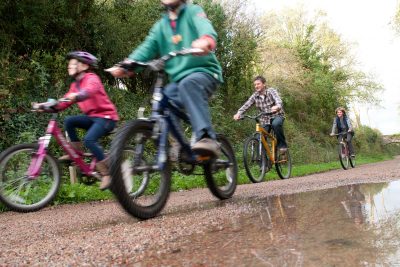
[[70, 125], [194, 91], [277, 125], [99, 128], [348, 139], [73, 122]]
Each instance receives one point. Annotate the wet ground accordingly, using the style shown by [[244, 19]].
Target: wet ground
[[336, 218], [354, 225]]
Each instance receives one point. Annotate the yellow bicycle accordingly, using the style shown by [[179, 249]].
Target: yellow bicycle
[[260, 153]]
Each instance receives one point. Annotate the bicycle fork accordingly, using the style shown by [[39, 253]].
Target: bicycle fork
[[38, 156]]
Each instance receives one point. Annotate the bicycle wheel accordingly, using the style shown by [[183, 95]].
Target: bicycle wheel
[[255, 161], [283, 164], [343, 155], [17, 190], [221, 174], [153, 185], [352, 161]]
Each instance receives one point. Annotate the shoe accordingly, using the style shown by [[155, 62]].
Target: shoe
[[102, 168], [282, 150], [282, 153], [353, 155], [207, 147]]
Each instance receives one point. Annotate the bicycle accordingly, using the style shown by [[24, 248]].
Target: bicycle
[[260, 153], [344, 153], [30, 175], [149, 137]]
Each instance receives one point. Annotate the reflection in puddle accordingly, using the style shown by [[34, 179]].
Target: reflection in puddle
[[356, 225]]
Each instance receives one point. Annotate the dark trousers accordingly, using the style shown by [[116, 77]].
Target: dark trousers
[[349, 136], [277, 126], [96, 128]]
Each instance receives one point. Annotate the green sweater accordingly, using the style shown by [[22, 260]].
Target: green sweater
[[191, 24]]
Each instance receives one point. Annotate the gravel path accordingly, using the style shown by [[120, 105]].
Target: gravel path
[[101, 233]]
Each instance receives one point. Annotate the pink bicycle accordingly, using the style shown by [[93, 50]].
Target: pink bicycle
[[30, 176]]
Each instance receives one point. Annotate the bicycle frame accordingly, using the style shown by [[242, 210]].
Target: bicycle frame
[[263, 134], [44, 141], [161, 108]]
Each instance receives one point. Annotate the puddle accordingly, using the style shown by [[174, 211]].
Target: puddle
[[356, 225]]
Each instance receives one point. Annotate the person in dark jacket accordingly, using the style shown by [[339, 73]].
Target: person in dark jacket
[[342, 124]]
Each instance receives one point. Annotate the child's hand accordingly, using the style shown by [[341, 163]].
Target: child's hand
[[72, 96]]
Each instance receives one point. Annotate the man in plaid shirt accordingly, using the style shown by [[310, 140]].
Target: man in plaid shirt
[[267, 100]]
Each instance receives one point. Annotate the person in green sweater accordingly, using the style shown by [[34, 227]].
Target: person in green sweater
[[193, 78]]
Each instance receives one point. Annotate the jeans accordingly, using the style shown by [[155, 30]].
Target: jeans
[[349, 136], [96, 128], [192, 94], [277, 126]]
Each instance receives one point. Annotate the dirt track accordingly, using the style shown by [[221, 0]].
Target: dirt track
[[102, 234]]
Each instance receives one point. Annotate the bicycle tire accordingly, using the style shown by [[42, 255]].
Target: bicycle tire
[[352, 161], [343, 155], [255, 163], [136, 134], [32, 194], [283, 164], [220, 186]]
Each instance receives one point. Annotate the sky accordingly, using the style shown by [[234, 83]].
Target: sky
[[367, 23]]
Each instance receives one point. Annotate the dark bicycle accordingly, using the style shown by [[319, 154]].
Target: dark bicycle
[[343, 150], [260, 153], [151, 164]]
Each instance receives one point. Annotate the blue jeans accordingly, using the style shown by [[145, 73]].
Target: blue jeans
[[192, 94], [96, 128], [277, 125]]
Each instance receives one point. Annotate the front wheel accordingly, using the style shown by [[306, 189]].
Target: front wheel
[[343, 155], [283, 164], [255, 159], [221, 174], [20, 192], [148, 188], [352, 161]]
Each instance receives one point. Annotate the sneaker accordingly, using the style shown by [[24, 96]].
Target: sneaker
[[353, 155], [282, 153], [207, 147]]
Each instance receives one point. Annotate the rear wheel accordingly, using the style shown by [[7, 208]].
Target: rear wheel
[[343, 155], [221, 174], [283, 164], [254, 159], [20, 192], [148, 189]]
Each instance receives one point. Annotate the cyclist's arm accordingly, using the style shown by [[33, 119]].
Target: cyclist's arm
[[204, 27], [246, 105], [334, 127], [275, 96], [149, 49], [349, 124]]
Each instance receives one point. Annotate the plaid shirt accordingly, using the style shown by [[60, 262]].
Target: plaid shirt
[[264, 102]]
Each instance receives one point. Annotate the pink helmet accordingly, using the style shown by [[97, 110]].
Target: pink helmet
[[83, 57]]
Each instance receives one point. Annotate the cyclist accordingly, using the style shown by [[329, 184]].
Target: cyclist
[[267, 100], [193, 78], [100, 114], [341, 123]]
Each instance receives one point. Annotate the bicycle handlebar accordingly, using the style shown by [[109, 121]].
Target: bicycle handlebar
[[49, 104], [258, 115], [156, 64]]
